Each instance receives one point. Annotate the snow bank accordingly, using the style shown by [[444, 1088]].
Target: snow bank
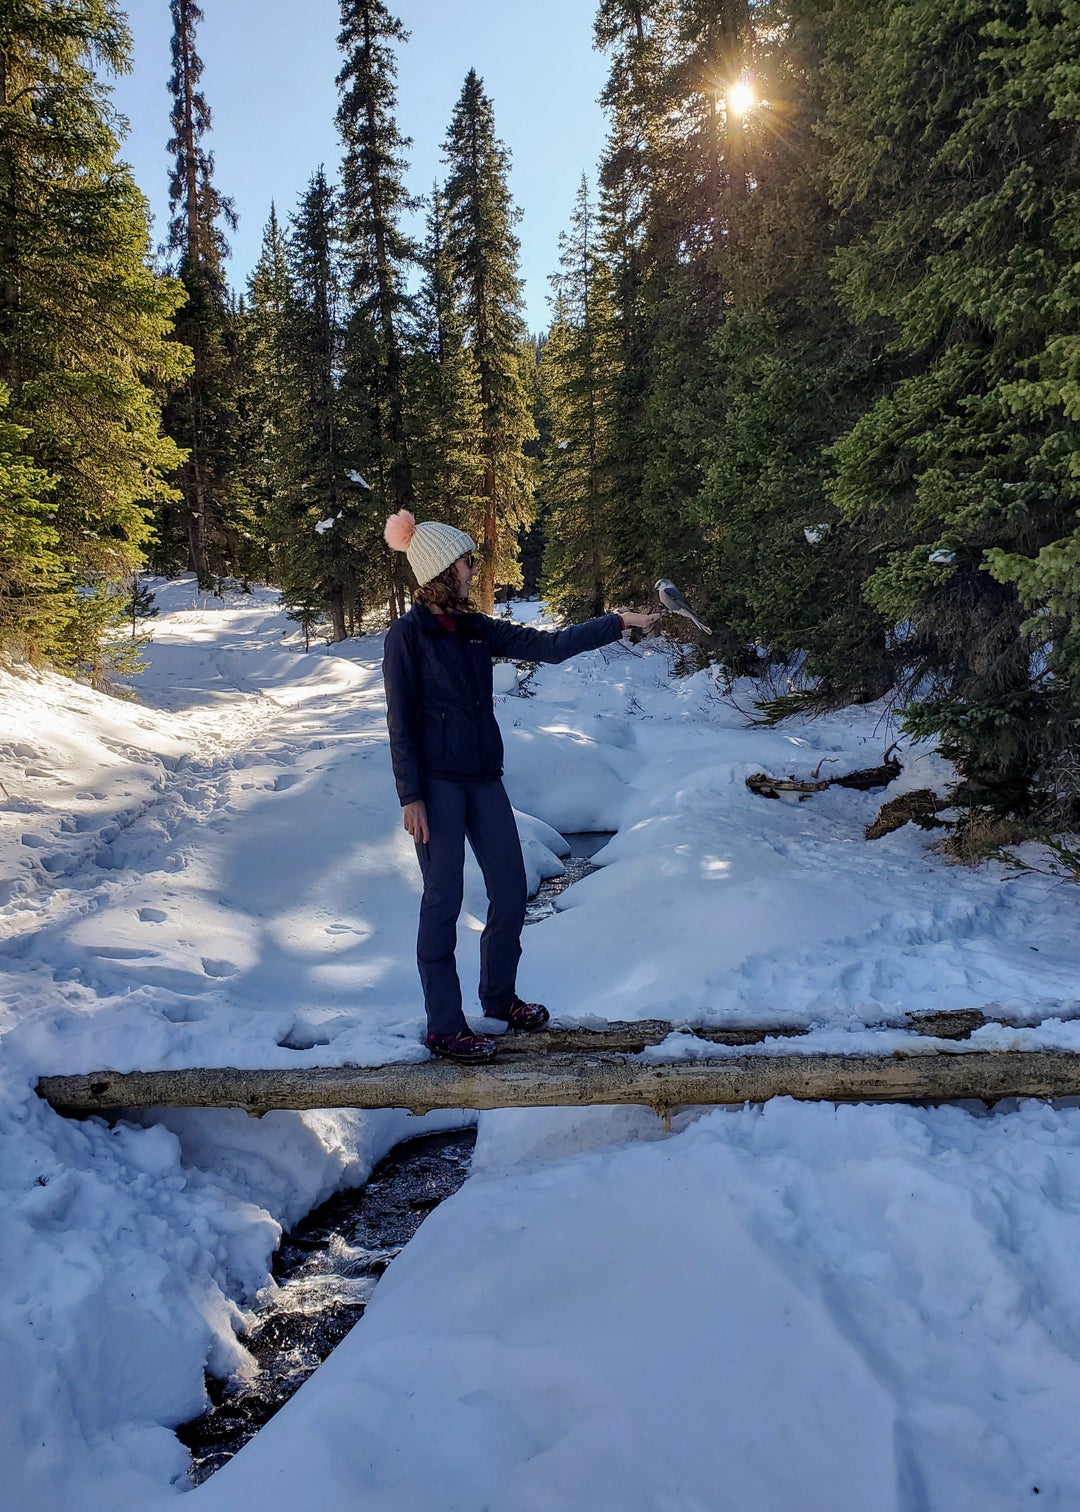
[[808, 1307], [128, 1255], [729, 908], [566, 1375]]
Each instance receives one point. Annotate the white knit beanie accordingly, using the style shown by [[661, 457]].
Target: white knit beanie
[[431, 547]]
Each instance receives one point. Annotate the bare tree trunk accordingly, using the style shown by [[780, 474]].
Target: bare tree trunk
[[336, 609], [397, 588], [195, 505], [582, 1080], [486, 593]]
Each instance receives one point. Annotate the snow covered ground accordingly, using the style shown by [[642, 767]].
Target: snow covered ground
[[793, 1306]]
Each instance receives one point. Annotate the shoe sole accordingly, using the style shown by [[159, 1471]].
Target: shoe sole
[[520, 1028]]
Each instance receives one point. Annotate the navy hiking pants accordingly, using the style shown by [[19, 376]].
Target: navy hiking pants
[[480, 810]]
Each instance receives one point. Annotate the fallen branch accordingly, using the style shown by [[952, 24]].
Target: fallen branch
[[771, 787], [584, 1080], [872, 777], [865, 779]]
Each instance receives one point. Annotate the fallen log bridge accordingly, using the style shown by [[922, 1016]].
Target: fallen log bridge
[[632, 1036], [584, 1078]]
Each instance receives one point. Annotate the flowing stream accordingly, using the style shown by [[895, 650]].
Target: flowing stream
[[327, 1268], [576, 865]]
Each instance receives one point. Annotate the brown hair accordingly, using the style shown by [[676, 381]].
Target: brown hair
[[440, 595]]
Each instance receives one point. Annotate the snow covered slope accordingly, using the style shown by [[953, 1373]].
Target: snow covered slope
[[877, 1304]]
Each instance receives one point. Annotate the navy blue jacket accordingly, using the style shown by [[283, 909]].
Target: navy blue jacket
[[439, 690]]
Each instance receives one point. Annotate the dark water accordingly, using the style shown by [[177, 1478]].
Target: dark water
[[577, 864], [328, 1267], [326, 1271]]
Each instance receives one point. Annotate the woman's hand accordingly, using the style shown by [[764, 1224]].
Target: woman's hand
[[414, 817], [638, 621]]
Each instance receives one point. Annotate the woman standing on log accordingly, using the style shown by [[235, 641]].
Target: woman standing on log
[[447, 754]]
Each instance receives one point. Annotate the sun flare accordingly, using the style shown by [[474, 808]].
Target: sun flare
[[741, 98]]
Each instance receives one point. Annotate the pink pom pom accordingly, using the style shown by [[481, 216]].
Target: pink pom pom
[[400, 529]]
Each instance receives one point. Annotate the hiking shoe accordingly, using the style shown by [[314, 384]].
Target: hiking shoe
[[470, 1049], [523, 1016]]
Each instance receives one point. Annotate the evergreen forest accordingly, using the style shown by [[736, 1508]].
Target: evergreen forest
[[814, 354]]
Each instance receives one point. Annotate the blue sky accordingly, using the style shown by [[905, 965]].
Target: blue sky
[[269, 80]]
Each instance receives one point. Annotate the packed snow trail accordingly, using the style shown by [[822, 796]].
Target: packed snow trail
[[235, 885], [217, 874]]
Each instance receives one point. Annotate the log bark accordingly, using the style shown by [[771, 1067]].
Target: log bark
[[581, 1080], [865, 780], [769, 787], [629, 1038]]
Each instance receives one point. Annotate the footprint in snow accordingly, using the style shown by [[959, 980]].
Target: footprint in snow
[[302, 1037], [87, 824], [219, 968], [183, 1013]]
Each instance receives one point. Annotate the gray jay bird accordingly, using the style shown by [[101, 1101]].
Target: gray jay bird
[[674, 602]]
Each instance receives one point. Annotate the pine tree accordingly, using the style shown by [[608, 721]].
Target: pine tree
[[697, 194], [532, 539], [201, 416], [576, 478], [84, 322], [638, 35], [322, 520], [444, 392], [268, 397], [953, 132], [483, 250], [733, 367], [1043, 50], [697, 168], [31, 566], [142, 603], [100, 651], [788, 373], [373, 199]]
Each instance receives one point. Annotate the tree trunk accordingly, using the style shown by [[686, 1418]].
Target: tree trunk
[[583, 1080], [397, 588], [195, 502], [336, 610], [486, 593]]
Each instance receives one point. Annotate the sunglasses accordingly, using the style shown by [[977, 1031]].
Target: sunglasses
[[468, 559]]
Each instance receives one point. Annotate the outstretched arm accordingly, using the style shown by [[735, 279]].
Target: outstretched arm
[[504, 638]]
